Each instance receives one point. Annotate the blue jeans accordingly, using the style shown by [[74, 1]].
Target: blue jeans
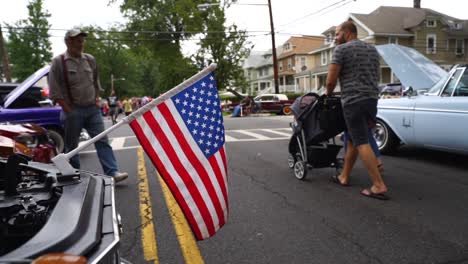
[[371, 139], [89, 118]]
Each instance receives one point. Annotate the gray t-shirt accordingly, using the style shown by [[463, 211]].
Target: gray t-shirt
[[83, 80], [359, 74]]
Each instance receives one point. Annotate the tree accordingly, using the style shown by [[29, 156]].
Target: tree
[[29, 46], [159, 27], [226, 46], [114, 57]]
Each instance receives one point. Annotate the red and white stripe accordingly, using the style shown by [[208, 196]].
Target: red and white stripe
[[198, 184]]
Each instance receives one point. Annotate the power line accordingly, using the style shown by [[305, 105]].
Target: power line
[[154, 38], [146, 31], [315, 12]]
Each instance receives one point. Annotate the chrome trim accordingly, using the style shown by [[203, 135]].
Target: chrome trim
[[395, 107], [115, 224], [441, 110]]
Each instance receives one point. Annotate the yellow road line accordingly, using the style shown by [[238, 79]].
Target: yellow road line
[[184, 234], [148, 234]]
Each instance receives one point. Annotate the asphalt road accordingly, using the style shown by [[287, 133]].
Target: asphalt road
[[275, 218]]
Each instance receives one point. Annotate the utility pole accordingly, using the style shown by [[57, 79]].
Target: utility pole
[[273, 50], [5, 60]]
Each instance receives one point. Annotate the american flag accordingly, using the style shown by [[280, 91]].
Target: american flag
[[182, 132]]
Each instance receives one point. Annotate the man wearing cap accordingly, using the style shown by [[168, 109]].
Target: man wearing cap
[[74, 85]]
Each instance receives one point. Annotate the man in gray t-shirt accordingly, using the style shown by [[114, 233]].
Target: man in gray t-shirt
[[356, 64]]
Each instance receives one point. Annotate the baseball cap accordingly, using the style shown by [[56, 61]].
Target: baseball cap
[[74, 32]]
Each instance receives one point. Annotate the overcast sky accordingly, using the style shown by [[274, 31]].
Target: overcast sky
[[291, 17]]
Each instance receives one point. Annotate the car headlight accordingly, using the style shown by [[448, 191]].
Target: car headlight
[[28, 140]]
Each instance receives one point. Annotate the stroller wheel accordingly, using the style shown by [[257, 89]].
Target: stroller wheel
[[300, 168], [291, 161]]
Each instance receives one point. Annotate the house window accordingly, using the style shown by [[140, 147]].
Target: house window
[[303, 61], [281, 66], [289, 63], [287, 46], [324, 57], [458, 25], [431, 23], [329, 38], [393, 40], [431, 40], [460, 47]]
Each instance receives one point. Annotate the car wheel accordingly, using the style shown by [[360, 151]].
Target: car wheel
[[286, 110], [291, 161], [300, 168], [385, 138], [57, 139]]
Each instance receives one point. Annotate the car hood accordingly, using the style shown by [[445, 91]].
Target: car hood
[[411, 67], [25, 85]]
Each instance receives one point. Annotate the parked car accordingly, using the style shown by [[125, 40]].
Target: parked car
[[274, 103], [436, 119], [44, 212], [269, 103], [24, 105], [29, 140]]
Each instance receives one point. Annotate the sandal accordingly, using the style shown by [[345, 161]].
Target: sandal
[[369, 193], [336, 180]]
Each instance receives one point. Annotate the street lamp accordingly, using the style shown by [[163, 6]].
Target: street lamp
[[204, 7], [113, 80]]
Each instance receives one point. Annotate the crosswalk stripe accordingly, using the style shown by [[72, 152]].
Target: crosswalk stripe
[[277, 132], [229, 138], [255, 135], [118, 142]]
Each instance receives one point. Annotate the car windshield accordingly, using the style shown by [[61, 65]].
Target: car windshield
[[438, 86]]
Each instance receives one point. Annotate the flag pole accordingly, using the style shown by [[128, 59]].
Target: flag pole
[[61, 161]]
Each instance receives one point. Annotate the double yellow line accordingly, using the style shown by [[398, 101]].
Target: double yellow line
[[187, 242]]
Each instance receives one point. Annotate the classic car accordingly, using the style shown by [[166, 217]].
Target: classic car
[[29, 140], [43, 211], [274, 103], [436, 119], [21, 105], [269, 103]]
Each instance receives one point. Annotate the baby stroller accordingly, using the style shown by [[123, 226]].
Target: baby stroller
[[317, 120]]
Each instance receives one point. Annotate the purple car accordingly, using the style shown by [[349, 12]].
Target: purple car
[[17, 107]]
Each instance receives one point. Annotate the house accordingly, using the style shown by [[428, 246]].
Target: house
[[258, 70], [294, 63], [440, 37]]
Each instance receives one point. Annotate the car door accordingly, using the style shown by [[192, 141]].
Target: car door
[[266, 102], [441, 122]]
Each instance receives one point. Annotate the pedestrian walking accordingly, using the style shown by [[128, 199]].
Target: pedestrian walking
[[356, 64], [74, 85], [113, 104], [127, 105]]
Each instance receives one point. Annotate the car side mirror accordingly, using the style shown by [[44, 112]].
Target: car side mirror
[[408, 91], [422, 91]]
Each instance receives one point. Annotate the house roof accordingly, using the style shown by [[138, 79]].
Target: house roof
[[258, 59], [302, 45], [330, 29], [398, 20]]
